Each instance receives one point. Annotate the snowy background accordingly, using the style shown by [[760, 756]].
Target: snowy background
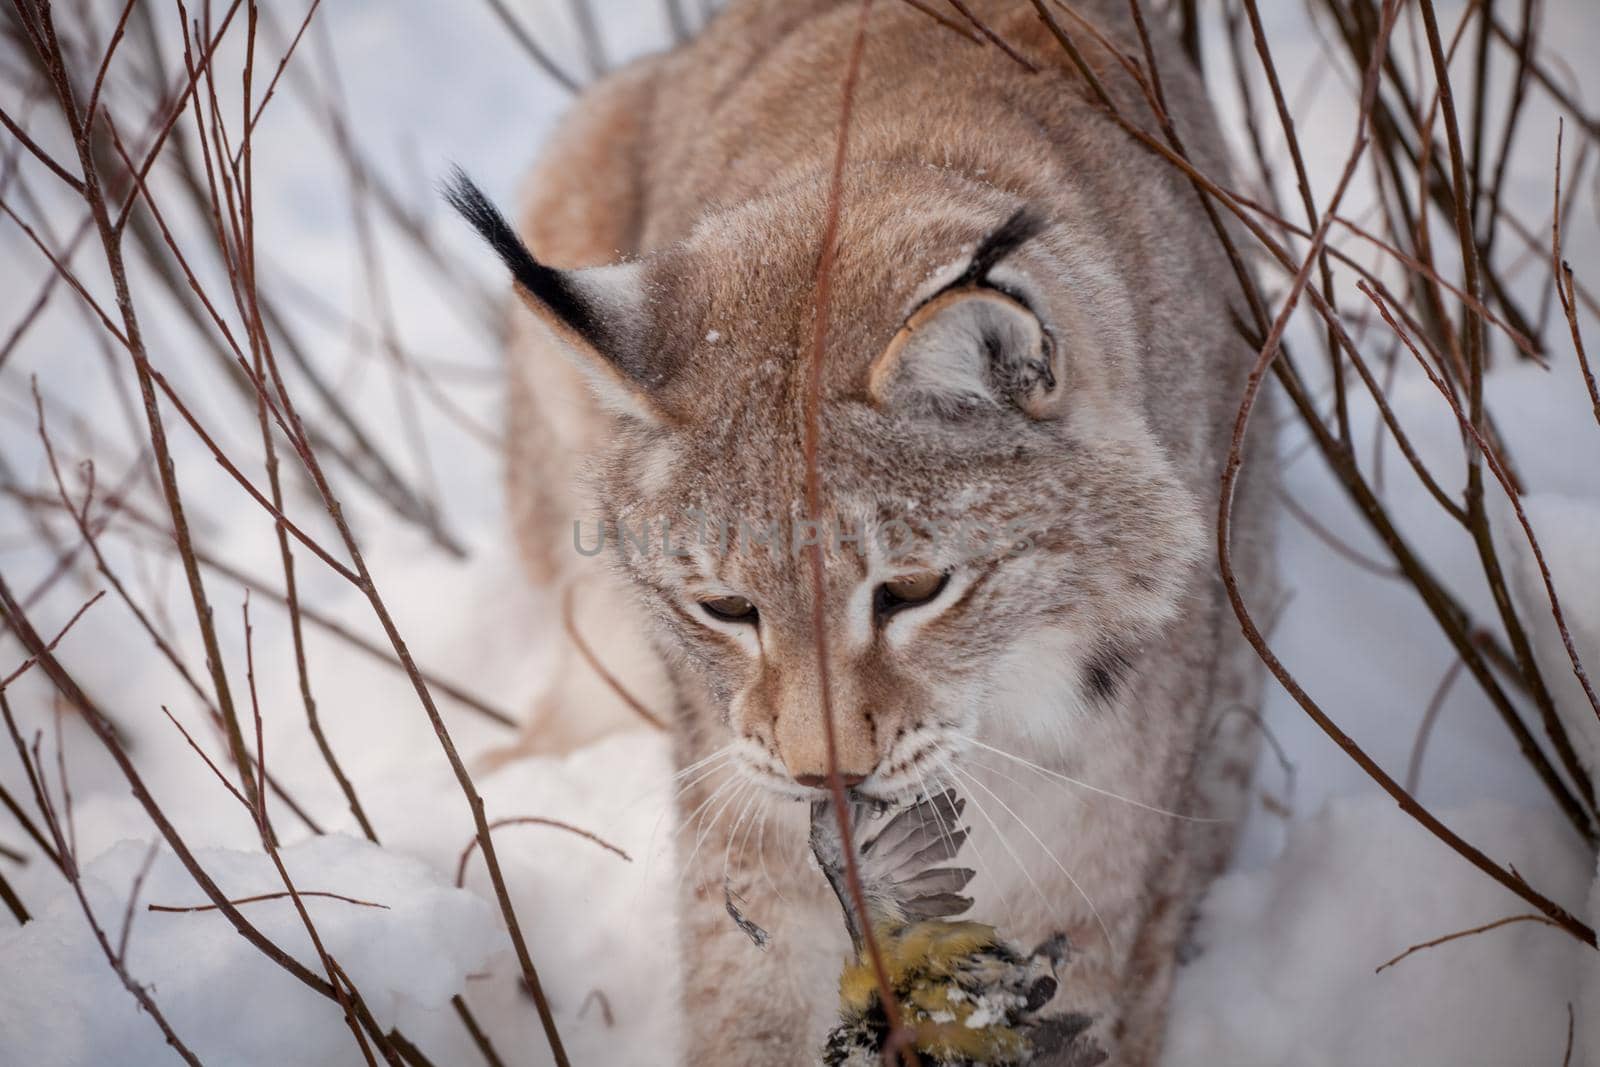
[[1331, 880]]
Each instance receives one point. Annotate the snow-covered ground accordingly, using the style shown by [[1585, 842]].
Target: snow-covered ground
[[1331, 879]]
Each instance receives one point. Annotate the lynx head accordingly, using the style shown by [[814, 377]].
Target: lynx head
[[998, 530]]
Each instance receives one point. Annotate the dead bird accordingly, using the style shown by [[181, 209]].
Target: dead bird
[[965, 995]]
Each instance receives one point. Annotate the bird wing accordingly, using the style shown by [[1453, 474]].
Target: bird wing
[[904, 862]]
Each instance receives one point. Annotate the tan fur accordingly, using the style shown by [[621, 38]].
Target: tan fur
[[1105, 651]]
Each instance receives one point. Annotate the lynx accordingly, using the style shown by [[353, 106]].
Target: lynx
[[1027, 390]]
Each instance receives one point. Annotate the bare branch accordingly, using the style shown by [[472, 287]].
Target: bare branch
[[535, 53], [5, 683], [1507, 921], [40, 154], [533, 820], [284, 895]]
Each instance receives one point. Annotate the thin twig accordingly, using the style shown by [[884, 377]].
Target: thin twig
[[105, 61], [570, 623], [1564, 285], [944, 20], [530, 46], [1230, 475], [1329, 538], [11, 611], [1425, 728], [50, 162], [533, 820], [10, 804], [133, 898], [280, 895], [993, 37], [28, 663], [821, 302], [1497, 468], [13, 903], [1507, 921]]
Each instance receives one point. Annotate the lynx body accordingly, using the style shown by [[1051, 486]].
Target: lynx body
[[1031, 331]]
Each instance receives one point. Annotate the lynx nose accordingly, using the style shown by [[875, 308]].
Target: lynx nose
[[820, 781], [801, 744]]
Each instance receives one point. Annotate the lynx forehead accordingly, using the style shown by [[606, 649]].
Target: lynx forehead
[[1030, 359]]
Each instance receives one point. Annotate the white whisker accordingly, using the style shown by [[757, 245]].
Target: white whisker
[[719, 754], [710, 765], [732, 847], [761, 844], [1085, 785], [711, 821], [689, 820], [1022, 868], [997, 772], [666, 809], [701, 771], [706, 764], [655, 827], [945, 831], [1104, 929]]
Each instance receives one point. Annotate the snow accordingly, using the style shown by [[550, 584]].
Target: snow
[[61, 1005], [1289, 950], [1331, 879]]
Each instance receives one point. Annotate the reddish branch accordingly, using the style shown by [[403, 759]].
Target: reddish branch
[[1498, 469], [821, 302], [1476, 428], [1451, 617], [533, 820], [90, 538], [944, 20], [1564, 284], [1425, 728], [9, 802], [133, 897], [41, 25], [23, 668], [615, 684], [994, 38], [1230, 475], [63, 850], [13, 903], [266, 896], [1507, 921], [530, 46]]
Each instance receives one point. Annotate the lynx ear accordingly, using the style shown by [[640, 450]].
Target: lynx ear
[[597, 314], [969, 347]]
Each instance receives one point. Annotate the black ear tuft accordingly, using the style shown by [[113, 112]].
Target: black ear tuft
[[1026, 223], [549, 286]]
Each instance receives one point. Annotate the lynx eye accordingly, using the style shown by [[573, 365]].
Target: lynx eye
[[908, 591], [729, 608]]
